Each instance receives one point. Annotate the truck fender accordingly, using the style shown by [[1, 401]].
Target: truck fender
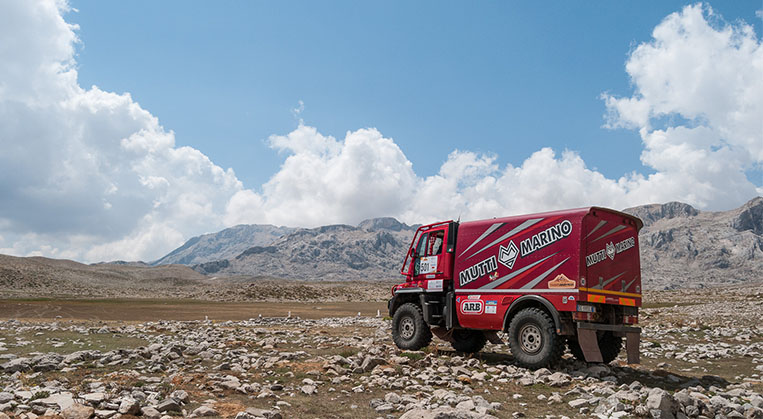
[[403, 296], [530, 301]]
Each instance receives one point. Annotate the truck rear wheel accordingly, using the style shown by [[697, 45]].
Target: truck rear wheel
[[409, 330], [609, 345], [533, 339], [468, 341]]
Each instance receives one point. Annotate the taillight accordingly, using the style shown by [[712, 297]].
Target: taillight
[[587, 317], [630, 319]]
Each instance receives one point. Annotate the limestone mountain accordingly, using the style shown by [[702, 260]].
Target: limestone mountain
[[373, 250], [224, 244], [684, 247]]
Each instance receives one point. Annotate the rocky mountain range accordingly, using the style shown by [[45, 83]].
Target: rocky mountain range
[[224, 244], [683, 247], [373, 250], [680, 247]]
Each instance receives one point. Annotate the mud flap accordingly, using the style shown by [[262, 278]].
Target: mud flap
[[492, 337], [632, 340], [589, 345], [443, 333]]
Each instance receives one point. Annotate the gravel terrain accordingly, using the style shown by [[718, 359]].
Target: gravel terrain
[[702, 354]]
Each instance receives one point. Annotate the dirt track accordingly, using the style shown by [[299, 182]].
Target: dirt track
[[151, 310]]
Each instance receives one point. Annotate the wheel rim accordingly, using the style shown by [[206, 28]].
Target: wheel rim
[[407, 328], [530, 338]]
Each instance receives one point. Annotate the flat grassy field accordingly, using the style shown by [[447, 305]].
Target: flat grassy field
[[140, 310]]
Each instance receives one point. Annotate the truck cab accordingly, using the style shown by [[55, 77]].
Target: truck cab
[[564, 277]]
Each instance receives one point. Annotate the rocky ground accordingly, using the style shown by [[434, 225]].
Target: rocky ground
[[702, 356]]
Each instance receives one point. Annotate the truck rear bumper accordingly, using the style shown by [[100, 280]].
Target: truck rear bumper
[[587, 339]]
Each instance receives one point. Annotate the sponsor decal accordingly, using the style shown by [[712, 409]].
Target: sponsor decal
[[625, 244], [491, 309], [561, 281], [472, 307], [508, 255], [610, 251], [491, 302], [477, 271], [545, 237], [493, 276], [474, 297], [428, 265], [435, 284]]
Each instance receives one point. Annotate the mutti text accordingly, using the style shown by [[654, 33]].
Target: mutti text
[[477, 270]]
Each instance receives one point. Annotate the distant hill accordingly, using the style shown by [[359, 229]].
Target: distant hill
[[38, 276], [373, 250], [684, 247], [224, 244]]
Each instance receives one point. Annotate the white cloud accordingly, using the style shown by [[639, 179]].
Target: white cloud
[[698, 106], [326, 181], [91, 175], [84, 173]]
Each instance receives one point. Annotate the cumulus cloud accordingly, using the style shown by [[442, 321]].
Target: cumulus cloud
[[324, 181], [91, 175], [84, 173], [698, 107]]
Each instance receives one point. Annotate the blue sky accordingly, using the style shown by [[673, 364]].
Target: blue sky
[[127, 128], [497, 77]]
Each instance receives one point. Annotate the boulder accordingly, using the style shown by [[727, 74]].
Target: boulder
[[78, 411], [444, 413]]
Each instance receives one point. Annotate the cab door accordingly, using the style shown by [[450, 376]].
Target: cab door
[[432, 259]]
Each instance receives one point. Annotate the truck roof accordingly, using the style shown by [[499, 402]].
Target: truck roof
[[574, 212]]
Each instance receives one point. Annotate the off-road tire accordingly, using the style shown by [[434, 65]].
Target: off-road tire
[[533, 339], [468, 341], [575, 349], [609, 346], [409, 330]]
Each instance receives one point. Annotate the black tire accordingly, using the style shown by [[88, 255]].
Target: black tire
[[609, 346], [468, 341], [409, 330], [533, 339], [575, 349]]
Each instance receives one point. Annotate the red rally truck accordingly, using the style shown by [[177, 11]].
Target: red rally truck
[[565, 277]]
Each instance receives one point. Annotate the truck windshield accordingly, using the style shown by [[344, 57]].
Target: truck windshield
[[406, 262]]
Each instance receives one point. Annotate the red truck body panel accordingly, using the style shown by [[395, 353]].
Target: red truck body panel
[[570, 256]]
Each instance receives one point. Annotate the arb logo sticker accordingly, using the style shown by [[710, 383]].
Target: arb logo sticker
[[472, 307]]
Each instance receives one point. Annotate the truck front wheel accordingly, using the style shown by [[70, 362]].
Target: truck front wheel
[[468, 341], [409, 330], [533, 339]]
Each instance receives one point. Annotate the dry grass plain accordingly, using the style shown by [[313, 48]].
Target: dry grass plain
[[141, 310]]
